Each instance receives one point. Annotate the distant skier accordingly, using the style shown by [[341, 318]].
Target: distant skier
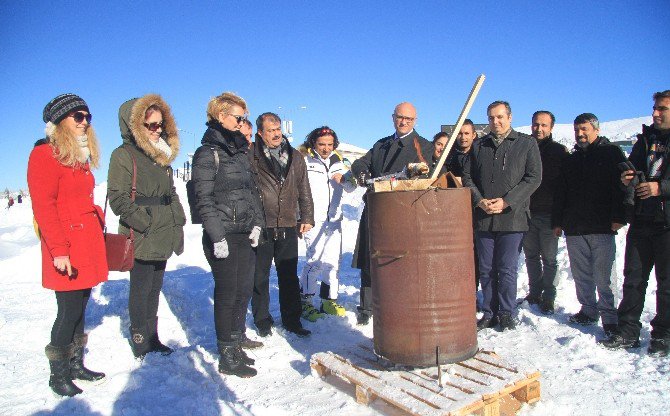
[[328, 178], [10, 202], [19, 199]]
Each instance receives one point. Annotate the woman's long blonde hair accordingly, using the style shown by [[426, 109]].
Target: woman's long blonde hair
[[66, 148]]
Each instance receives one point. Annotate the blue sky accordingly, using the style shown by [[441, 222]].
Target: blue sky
[[348, 62]]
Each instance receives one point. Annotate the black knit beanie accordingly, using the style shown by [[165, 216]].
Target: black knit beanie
[[61, 106]]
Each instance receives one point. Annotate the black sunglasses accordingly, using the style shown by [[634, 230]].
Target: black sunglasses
[[154, 126], [239, 119], [79, 117]]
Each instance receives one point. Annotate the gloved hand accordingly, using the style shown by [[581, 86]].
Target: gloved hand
[[363, 178], [254, 236], [221, 249]]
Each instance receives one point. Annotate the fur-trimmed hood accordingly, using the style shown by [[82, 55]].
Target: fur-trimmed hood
[[131, 124]]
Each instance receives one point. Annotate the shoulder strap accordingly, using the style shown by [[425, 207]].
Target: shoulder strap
[[133, 192]]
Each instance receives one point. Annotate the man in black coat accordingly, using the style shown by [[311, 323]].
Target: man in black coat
[[503, 170], [648, 238], [464, 141], [540, 245], [388, 155], [588, 208]]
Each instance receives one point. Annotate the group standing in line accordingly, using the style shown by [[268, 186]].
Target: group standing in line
[[256, 199]]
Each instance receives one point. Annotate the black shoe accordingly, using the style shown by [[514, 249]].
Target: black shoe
[[77, 369], [547, 306], [610, 329], [243, 356], [230, 362], [362, 318], [139, 343], [298, 330], [264, 331], [249, 344], [484, 323], [60, 379], [582, 319], [616, 341], [532, 300], [506, 321], [659, 347], [155, 345]]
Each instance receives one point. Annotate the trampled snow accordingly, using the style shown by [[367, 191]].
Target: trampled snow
[[578, 377]]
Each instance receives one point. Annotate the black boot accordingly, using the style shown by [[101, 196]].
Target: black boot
[[139, 342], [154, 343], [77, 369], [236, 336], [60, 380], [249, 344], [230, 362]]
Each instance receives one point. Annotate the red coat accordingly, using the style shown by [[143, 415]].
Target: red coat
[[70, 223]]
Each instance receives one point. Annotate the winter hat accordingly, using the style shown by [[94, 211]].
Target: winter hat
[[61, 106]]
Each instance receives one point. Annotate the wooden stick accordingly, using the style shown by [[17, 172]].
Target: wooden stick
[[459, 124]]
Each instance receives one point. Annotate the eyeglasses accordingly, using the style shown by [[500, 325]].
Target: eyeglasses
[[79, 117], [404, 118], [154, 126], [239, 119]]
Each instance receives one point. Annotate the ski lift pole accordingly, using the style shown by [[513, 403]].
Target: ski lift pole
[[459, 124]]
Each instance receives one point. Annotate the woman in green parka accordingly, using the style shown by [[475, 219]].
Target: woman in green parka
[[156, 216]]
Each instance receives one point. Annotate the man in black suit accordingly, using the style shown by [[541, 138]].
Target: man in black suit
[[388, 155]]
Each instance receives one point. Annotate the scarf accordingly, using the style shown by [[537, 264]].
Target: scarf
[[84, 151], [279, 156], [162, 146]]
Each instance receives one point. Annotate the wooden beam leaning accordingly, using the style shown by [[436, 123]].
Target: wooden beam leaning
[[459, 124]]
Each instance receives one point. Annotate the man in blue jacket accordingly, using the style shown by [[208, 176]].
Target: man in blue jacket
[[503, 170]]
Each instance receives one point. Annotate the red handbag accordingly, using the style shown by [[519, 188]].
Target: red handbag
[[120, 247]]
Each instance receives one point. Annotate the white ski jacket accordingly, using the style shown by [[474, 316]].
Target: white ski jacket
[[326, 193]]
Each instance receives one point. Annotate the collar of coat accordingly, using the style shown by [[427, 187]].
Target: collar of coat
[[407, 140], [131, 124], [232, 141], [599, 141]]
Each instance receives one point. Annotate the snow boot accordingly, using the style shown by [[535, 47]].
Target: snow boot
[[659, 347], [139, 342], [309, 312], [60, 380], [331, 307], [230, 361], [236, 337], [582, 319], [77, 369], [154, 343], [484, 323], [506, 321], [249, 344], [616, 341]]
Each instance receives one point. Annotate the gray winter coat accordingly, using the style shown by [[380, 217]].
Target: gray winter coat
[[512, 171]]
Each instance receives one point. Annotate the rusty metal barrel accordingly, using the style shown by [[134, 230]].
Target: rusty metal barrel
[[422, 267]]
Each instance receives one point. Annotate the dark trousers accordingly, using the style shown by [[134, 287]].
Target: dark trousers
[[146, 281], [647, 246], [361, 261], [498, 263], [233, 283], [282, 247], [540, 246], [71, 316]]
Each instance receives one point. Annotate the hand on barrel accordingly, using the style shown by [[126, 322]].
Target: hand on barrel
[[493, 206]]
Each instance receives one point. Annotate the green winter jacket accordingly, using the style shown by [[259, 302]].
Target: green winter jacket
[[158, 222]]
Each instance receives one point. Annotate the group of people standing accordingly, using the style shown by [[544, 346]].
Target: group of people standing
[[255, 199], [527, 192]]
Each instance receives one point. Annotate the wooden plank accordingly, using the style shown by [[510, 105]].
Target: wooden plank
[[492, 370]]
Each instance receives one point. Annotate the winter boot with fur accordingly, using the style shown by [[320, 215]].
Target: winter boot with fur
[[139, 342], [60, 380], [77, 369], [230, 362], [155, 343]]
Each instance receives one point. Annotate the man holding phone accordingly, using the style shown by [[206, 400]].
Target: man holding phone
[[647, 179]]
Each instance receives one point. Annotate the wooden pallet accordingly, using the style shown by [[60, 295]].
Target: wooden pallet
[[484, 385]]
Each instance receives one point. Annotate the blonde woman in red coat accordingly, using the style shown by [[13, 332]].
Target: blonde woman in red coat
[[70, 227]]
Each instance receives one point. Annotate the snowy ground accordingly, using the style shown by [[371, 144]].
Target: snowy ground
[[578, 378]]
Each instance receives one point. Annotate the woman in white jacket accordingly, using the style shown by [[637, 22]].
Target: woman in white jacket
[[328, 179]]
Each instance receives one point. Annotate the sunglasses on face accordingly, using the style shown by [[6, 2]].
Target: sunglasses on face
[[239, 119], [154, 126], [79, 117]]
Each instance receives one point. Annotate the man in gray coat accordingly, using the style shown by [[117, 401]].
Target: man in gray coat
[[503, 170]]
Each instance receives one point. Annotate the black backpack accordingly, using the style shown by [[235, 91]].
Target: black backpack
[[190, 192]]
